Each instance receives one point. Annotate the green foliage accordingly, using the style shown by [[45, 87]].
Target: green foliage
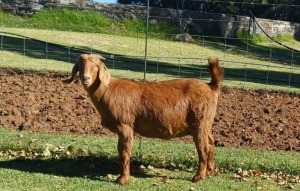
[[133, 26], [9, 18], [284, 37], [258, 38], [252, 38], [66, 19]]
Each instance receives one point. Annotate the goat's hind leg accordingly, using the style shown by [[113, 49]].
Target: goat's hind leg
[[211, 164], [125, 144], [201, 142]]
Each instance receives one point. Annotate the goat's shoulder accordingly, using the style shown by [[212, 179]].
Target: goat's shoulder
[[118, 87]]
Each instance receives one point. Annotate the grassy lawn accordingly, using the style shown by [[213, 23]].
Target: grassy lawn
[[31, 161]]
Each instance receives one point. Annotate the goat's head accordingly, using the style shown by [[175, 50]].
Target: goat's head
[[91, 68]]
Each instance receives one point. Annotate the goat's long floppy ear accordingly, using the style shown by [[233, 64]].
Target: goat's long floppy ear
[[104, 75], [74, 72]]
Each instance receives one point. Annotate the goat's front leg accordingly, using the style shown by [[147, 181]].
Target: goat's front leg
[[124, 148]]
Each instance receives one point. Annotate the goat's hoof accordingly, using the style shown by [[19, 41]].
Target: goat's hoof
[[210, 171], [197, 178], [122, 180]]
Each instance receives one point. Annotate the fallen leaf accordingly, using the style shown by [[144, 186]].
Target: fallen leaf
[[59, 149], [165, 179], [70, 148], [81, 152], [217, 172], [245, 173], [155, 184], [46, 152], [50, 146], [172, 165], [191, 158], [180, 166], [158, 171], [295, 179], [142, 169], [256, 183], [110, 176], [282, 183], [22, 153], [12, 153], [273, 176], [291, 186], [236, 176], [56, 157], [32, 141], [239, 171], [149, 167], [190, 170]]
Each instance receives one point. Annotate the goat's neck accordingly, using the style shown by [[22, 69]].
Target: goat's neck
[[96, 91]]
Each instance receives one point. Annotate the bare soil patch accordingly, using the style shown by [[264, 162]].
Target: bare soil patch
[[40, 102]]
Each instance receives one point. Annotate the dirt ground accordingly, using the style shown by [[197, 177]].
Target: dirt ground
[[268, 120]]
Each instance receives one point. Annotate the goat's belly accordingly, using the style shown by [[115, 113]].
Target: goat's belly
[[156, 130]]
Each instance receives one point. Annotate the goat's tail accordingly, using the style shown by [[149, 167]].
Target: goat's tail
[[216, 73]]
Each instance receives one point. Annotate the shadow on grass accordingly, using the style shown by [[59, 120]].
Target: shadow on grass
[[82, 167], [45, 50]]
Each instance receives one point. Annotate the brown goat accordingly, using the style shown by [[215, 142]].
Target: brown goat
[[164, 109]]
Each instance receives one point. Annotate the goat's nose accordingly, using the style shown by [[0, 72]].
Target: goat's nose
[[86, 78]]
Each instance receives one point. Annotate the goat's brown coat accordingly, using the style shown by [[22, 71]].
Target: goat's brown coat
[[165, 109]]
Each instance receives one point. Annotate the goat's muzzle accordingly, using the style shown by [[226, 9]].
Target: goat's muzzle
[[85, 78]]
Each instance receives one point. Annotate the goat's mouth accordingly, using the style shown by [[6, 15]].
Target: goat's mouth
[[86, 83]]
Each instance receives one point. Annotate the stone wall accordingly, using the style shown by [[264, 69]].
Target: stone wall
[[226, 25], [203, 23], [276, 27]]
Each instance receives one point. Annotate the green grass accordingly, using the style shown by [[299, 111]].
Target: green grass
[[92, 164], [61, 19], [85, 21]]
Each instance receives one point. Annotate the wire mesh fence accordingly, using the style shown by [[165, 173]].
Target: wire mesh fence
[[268, 63], [25, 52]]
